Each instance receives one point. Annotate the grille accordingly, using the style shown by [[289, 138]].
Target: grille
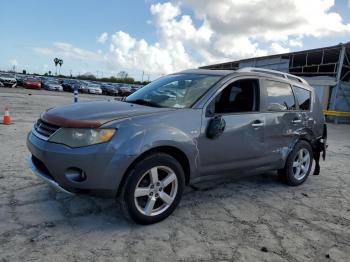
[[45, 129]]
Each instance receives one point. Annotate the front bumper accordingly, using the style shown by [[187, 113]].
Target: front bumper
[[103, 166], [42, 175], [9, 83]]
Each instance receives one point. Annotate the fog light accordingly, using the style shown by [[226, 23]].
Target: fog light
[[75, 174]]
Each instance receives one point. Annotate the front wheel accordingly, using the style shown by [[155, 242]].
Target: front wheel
[[153, 189], [298, 164]]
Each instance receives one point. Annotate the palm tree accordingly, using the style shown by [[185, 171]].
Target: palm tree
[[60, 62], [56, 60]]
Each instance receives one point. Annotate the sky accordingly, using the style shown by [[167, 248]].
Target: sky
[[156, 37]]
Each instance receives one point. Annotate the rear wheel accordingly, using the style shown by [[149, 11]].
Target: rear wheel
[[153, 189], [298, 164]]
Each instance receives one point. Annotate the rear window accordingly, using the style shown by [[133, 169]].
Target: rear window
[[279, 96], [303, 97]]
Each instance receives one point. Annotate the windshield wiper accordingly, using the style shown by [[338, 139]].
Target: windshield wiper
[[144, 103]]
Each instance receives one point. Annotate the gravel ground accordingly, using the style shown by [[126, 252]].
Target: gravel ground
[[250, 219]]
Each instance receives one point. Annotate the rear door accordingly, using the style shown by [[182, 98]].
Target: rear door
[[241, 145], [283, 120]]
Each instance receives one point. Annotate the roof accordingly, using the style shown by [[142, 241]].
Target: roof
[[207, 72], [259, 73]]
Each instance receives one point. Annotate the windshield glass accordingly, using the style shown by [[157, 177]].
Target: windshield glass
[[174, 91], [53, 82], [6, 75]]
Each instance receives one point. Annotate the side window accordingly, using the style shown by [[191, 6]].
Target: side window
[[303, 97], [239, 96], [279, 96]]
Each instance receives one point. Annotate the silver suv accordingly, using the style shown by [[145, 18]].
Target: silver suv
[[179, 130]]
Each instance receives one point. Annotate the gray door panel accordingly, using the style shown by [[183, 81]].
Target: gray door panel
[[241, 145], [280, 133], [283, 124]]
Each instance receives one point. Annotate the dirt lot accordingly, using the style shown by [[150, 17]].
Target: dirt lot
[[250, 219]]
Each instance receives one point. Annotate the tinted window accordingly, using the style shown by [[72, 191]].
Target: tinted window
[[279, 96], [303, 96], [240, 96]]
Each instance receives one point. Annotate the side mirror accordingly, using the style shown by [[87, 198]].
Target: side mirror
[[215, 127]]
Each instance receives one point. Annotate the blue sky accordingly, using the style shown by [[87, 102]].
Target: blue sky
[[152, 36]]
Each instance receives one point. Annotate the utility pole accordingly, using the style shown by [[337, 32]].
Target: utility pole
[[143, 72]]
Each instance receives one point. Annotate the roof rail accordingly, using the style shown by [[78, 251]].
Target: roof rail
[[273, 72]]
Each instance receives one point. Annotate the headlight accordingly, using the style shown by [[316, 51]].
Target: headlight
[[78, 137]]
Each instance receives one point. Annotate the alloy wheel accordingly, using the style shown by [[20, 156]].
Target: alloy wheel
[[156, 190], [301, 164]]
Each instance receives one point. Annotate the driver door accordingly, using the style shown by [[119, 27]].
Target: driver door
[[241, 145]]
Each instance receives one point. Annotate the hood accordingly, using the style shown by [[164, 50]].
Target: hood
[[54, 85], [94, 114], [7, 78]]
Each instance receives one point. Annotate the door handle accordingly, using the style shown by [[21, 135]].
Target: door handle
[[296, 121], [258, 124]]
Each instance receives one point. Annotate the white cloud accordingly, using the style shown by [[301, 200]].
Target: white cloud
[[279, 49], [295, 43], [102, 38], [225, 30], [228, 30], [270, 20], [67, 50]]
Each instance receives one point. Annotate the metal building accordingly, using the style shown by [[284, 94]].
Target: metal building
[[326, 69]]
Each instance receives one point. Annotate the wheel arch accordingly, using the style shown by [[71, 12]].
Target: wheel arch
[[173, 151], [306, 134]]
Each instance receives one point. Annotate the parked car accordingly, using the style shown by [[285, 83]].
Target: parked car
[[146, 149], [114, 91], [124, 90], [69, 85], [32, 83], [106, 88], [8, 80], [91, 88], [19, 79], [135, 88], [52, 85]]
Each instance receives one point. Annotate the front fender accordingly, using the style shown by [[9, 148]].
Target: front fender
[[155, 137], [179, 129]]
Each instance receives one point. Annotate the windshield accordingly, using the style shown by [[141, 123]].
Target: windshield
[[53, 82], [174, 91], [6, 75], [93, 85]]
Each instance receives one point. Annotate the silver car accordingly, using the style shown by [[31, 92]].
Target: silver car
[[179, 130], [7, 80], [52, 85], [93, 89]]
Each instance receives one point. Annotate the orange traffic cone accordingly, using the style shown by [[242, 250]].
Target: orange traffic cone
[[7, 117]]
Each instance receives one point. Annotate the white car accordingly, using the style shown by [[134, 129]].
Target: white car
[[93, 89], [8, 80]]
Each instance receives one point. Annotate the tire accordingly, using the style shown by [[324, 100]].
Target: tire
[[149, 207], [298, 165]]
